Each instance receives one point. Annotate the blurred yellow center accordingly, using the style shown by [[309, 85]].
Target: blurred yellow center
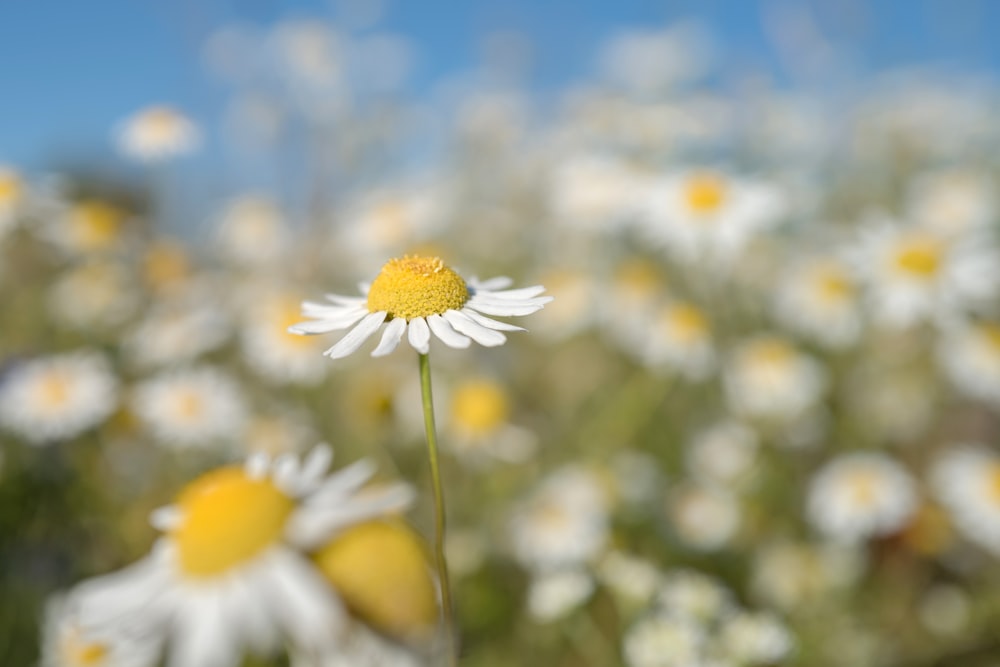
[[95, 224], [639, 277], [686, 323], [991, 333], [416, 287], [160, 123], [994, 474], [380, 570], [863, 487], [53, 390], [705, 193], [920, 257], [228, 519], [834, 284], [771, 352], [10, 187], [165, 264], [78, 653], [480, 406], [190, 405]]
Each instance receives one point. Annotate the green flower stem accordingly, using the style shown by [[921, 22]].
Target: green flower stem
[[439, 515]]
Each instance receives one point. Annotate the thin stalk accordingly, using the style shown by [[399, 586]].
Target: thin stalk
[[439, 516]]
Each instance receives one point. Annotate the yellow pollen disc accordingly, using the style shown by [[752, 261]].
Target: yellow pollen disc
[[78, 653], [53, 390], [705, 193], [189, 405], [991, 334], [165, 264], [686, 323], [381, 571], [994, 476], [416, 287], [639, 277], [96, 224], [919, 257], [551, 515], [480, 406], [834, 284], [863, 487], [10, 187], [160, 122], [771, 352], [228, 519]]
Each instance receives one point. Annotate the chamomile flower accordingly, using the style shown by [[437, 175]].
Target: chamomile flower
[[13, 193], [953, 201], [230, 577], [592, 193], [663, 640], [629, 577], [418, 296], [157, 133], [967, 481], [919, 275], [360, 647], [635, 288], [178, 329], [93, 295], [859, 496], [707, 215], [69, 641], [755, 638], [273, 352], [970, 355], [57, 397], [768, 378], [555, 594], [191, 407], [819, 298], [679, 339], [723, 453], [705, 517], [564, 523], [252, 231], [479, 427]]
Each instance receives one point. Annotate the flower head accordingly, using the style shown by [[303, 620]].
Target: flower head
[[419, 296]]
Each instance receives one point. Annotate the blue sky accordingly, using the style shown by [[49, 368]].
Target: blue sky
[[70, 69]]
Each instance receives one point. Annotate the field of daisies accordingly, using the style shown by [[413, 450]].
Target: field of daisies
[[659, 369]]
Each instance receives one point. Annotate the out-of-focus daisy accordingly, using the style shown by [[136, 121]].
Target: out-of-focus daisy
[[575, 292], [694, 596], [383, 221], [88, 226], [789, 574], [679, 338], [419, 296], [479, 427], [953, 201], [229, 576], [945, 610], [862, 495], [970, 354], [166, 266], [252, 231], [564, 523], [157, 133], [191, 407], [178, 329], [273, 352], [93, 295], [69, 641], [819, 299], [278, 431], [723, 452], [707, 215], [12, 197], [767, 377], [554, 594], [663, 640], [967, 481], [57, 397], [755, 638], [592, 193], [629, 577], [917, 275], [705, 517], [636, 287], [360, 647]]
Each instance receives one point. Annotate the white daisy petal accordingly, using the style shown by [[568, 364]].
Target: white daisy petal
[[328, 323], [490, 323], [257, 465], [285, 474], [315, 466], [448, 336], [498, 283], [391, 337], [502, 309], [477, 332], [165, 519], [419, 335], [356, 336], [344, 482]]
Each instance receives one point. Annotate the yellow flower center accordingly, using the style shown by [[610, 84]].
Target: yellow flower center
[[919, 257], [686, 323], [863, 487], [165, 264], [994, 474], [161, 123], [96, 224], [640, 278], [480, 406], [771, 352], [833, 284], [10, 187], [416, 287], [705, 193], [53, 390], [189, 406], [380, 570], [991, 334], [79, 653], [228, 519]]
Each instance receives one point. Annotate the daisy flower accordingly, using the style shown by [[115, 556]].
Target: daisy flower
[[274, 353], [706, 517], [361, 647], [663, 640], [967, 481], [57, 397], [478, 422], [230, 577], [418, 296], [970, 355], [919, 275], [755, 638], [157, 133], [953, 201], [178, 329], [819, 299], [592, 193], [708, 215], [12, 196], [552, 595], [190, 407], [768, 378], [252, 231], [861, 495], [86, 227], [93, 295], [679, 339]]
